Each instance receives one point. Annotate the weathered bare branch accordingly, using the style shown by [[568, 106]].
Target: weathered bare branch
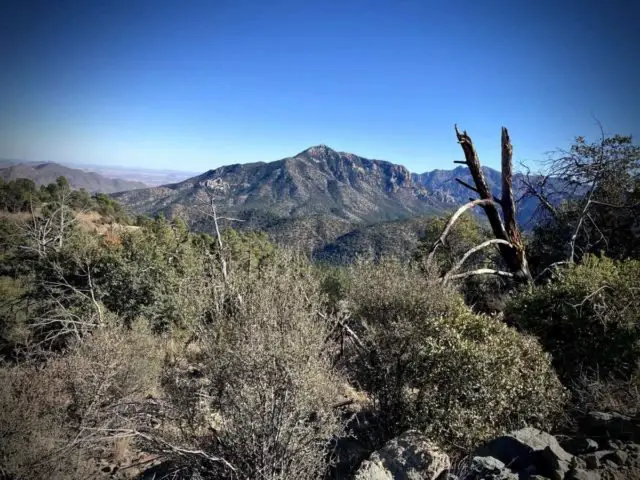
[[441, 240], [341, 323], [470, 252], [508, 204], [482, 271], [549, 268], [538, 191], [167, 447], [481, 184], [466, 185]]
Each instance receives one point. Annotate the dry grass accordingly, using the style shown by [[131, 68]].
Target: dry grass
[[594, 393], [96, 223], [55, 417]]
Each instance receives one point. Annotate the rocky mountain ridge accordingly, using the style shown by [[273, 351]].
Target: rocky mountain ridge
[[317, 191], [318, 180]]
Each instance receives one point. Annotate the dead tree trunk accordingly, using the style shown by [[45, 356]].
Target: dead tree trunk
[[505, 227]]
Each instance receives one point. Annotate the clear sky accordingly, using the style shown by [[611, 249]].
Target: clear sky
[[194, 85]]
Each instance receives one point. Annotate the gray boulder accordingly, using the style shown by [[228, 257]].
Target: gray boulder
[[489, 468], [529, 447], [410, 456], [579, 445], [580, 474]]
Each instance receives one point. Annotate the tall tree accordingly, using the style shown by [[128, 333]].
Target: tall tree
[[603, 214]]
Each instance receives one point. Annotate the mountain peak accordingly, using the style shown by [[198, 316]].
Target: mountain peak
[[318, 150]]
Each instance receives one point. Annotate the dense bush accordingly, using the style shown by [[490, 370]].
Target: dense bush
[[264, 384], [32, 422], [158, 272], [595, 188], [587, 318], [438, 367], [22, 195], [13, 314], [465, 234], [18, 195], [594, 392]]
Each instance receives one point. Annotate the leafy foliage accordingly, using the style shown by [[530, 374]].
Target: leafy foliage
[[157, 272], [588, 318], [436, 366], [22, 195], [465, 234], [483, 293]]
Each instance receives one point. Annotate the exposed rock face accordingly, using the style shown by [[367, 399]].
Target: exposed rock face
[[610, 454], [411, 456], [317, 181], [527, 448]]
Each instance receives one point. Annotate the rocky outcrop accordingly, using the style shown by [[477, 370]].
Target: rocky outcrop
[[411, 456], [489, 468], [607, 448], [529, 450]]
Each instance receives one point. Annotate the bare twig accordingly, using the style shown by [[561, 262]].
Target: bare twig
[[167, 447]]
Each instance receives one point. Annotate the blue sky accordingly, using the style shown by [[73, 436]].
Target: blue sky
[[194, 85]]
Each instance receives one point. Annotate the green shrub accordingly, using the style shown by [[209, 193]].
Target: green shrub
[[334, 282], [587, 319], [13, 315], [465, 234], [436, 366], [157, 272]]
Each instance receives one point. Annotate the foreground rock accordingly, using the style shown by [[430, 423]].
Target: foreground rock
[[489, 468], [411, 456], [530, 451], [532, 454]]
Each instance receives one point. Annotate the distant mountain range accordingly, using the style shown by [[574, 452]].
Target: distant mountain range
[[318, 181], [331, 204], [148, 176], [45, 173]]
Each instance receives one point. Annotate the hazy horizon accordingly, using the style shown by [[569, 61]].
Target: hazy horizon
[[164, 85]]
